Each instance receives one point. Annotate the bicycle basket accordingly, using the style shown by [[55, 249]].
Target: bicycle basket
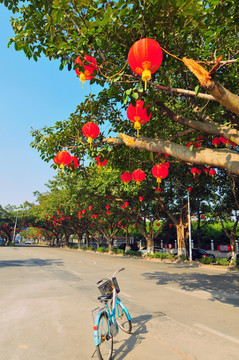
[[115, 284], [106, 288]]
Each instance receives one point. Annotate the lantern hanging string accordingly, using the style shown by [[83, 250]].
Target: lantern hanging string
[[109, 62]]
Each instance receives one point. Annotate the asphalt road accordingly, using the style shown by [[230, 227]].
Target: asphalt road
[[179, 311]]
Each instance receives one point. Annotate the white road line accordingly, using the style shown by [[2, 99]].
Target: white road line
[[218, 333]]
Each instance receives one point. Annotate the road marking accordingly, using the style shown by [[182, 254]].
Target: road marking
[[218, 333]]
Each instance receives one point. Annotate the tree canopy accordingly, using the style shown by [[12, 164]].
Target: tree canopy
[[193, 96]]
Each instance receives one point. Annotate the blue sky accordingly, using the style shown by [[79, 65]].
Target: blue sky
[[32, 94]]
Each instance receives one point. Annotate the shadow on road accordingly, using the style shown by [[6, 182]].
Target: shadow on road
[[30, 262], [221, 287], [139, 328]]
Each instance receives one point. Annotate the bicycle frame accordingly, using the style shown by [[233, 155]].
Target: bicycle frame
[[113, 327]]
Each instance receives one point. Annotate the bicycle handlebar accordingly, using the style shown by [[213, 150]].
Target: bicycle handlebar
[[98, 282]]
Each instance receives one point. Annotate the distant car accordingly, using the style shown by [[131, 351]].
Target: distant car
[[2, 242], [132, 247], [197, 254], [157, 249], [27, 242]]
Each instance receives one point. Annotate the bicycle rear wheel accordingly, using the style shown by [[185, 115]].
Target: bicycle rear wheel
[[122, 319], [105, 348]]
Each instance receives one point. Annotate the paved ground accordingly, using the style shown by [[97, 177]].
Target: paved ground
[[179, 311]]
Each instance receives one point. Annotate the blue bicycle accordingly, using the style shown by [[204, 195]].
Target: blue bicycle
[[109, 318]]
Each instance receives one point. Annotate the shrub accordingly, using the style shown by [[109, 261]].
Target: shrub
[[135, 253], [161, 256], [207, 260], [102, 249], [73, 246], [118, 251], [222, 261]]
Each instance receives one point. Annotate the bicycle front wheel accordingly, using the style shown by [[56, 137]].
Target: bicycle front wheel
[[122, 319], [105, 348]]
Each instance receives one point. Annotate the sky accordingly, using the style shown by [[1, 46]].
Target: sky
[[32, 95]]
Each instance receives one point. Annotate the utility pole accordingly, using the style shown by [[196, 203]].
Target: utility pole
[[14, 230], [189, 228]]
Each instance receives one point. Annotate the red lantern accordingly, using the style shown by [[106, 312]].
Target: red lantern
[[63, 158], [225, 141], [91, 131], [126, 177], [158, 190], [160, 171], [74, 163], [195, 171], [89, 64], [212, 172], [190, 188], [216, 142], [56, 161], [138, 114], [100, 164], [145, 57], [126, 203], [141, 198], [138, 176]]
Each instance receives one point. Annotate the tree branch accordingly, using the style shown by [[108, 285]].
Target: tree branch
[[222, 158], [221, 94], [209, 128]]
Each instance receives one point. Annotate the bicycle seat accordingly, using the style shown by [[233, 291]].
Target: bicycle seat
[[104, 297]]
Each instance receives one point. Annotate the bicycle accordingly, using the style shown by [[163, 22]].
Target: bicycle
[[109, 318]]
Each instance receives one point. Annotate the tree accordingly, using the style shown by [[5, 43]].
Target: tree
[[64, 29], [188, 98]]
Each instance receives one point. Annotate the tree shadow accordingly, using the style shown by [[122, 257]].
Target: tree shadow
[[30, 262], [221, 287]]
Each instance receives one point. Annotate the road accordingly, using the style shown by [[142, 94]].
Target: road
[[179, 311]]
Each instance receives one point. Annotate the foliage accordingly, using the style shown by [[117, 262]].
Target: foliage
[[133, 253], [118, 251], [161, 256], [222, 261], [183, 124], [207, 260], [102, 249]]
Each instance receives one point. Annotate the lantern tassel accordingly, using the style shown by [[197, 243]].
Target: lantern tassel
[[146, 75], [90, 141], [137, 127], [82, 79]]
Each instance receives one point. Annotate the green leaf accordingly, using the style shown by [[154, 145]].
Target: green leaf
[[196, 90]]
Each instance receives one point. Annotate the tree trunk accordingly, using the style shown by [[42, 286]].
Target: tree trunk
[[127, 247], [233, 246], [181, 239]]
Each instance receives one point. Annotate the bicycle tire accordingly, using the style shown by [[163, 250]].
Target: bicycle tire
[[105, 348], [122, 319]]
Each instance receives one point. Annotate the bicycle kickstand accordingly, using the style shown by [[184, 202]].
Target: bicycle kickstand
[[93, 354]]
